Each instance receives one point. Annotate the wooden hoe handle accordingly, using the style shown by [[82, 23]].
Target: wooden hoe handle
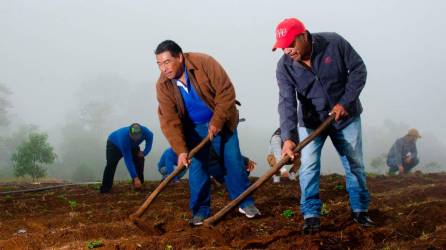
[[166, 181], [216, 217]]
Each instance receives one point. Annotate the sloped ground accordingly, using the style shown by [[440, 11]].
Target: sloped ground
[[410, 212]]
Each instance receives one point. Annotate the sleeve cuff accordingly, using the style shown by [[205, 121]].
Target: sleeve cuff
[[294, 136]]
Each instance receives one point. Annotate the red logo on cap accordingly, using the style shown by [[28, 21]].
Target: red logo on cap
[[328, 60], [281, 33]]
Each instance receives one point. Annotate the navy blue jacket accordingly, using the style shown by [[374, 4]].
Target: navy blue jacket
[[338, 75], [400, 149]]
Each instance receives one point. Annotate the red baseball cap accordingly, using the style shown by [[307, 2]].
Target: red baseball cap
[[286, 31]]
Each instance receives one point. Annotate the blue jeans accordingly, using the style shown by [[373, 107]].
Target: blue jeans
[[215, 167], [348, 144], [226, 145], [215, 170], [167, 170]]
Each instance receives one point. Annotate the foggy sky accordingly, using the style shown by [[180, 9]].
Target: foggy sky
[[50, 50]]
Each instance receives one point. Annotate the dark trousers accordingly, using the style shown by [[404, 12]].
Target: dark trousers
[[407, 166], [114, 155]]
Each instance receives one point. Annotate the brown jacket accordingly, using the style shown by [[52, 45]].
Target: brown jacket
[[212, 85]]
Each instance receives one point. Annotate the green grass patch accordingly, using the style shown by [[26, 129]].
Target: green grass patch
[[339, 187], [62, 197], [325, 210], [96, 186], [7, 188], [94, 244], [370, 174], [288, 213], [73, 204]]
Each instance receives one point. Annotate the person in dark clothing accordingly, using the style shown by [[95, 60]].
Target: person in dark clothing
[[217, 171], [124, 142], [403, 155], [321, 74]]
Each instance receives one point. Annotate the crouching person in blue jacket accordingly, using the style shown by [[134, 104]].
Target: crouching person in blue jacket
[[125, 142], [403, 155], [168, 163]]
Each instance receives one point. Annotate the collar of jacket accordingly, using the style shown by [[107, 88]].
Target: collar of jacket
[[190, 67], [318, 44], [189, 64]]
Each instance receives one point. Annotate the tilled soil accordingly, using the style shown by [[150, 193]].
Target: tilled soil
[[410, 212]]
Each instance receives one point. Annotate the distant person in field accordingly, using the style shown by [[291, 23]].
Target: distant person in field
[[168, 163], [321, 74], [197, 99], [403, 155], [124, 142], [274, 156]]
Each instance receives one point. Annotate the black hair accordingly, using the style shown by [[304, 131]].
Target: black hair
[[169, 45]]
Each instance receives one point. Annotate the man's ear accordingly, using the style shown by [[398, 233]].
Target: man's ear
[[305, 37], [181, 57]]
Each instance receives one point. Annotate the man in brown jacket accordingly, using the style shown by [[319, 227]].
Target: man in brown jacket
[[196, 98]]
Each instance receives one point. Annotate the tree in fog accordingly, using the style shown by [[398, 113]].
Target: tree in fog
[[94, 116], [378, 163], [82, 150], [84, 135], [4, 105], [433, 167], [10, 137], [32, 155]]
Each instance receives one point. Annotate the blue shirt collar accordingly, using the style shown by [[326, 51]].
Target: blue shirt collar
[[186, 77]]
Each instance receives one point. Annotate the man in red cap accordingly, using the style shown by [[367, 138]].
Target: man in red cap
[[324, 74]]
